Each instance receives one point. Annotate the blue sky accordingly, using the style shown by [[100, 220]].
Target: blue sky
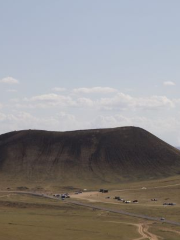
[[80, 64]]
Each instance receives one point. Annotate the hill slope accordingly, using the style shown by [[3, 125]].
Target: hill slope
[[105, 155]]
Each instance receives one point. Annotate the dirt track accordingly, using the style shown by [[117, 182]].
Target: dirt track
[[98, 207], [88, 196], [171, 230], [143, 230]]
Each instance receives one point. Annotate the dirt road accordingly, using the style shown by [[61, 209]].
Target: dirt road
[[143, 230], [97, 207]]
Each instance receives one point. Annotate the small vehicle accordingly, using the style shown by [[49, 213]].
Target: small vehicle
[[162, 219], [117, 198], [103, 190]]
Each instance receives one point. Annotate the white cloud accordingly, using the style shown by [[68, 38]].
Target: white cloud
[[153, 102], [70, 110], [52, 99], [9, 80], [158, 126], [178, 140], [169, 83], [45, 97], [118, 101], [12, 90], [176, 101], [49, 100], [95, 90], [116, 120], [63, 115], [63, 121], [57, 89], [24, 120], [2, 116], [125, 102], [86, 102], [14, 100]]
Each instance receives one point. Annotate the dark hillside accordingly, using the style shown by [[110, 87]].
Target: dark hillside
[[105, 155]]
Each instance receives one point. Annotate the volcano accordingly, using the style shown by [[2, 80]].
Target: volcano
[[99, 155]]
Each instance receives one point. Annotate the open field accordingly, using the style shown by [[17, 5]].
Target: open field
[[53, 186], [26, 218], [32, 217], [49, 220], [169, 193]]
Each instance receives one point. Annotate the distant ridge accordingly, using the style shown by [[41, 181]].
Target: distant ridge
[[99, 155]]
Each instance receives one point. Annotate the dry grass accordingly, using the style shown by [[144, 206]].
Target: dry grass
[[19, 222], [26, 217]]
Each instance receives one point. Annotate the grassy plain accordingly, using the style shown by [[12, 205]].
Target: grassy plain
[[145, 205], [50, 220], [27, 217]]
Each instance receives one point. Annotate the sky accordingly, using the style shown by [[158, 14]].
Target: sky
[[85, 64]]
